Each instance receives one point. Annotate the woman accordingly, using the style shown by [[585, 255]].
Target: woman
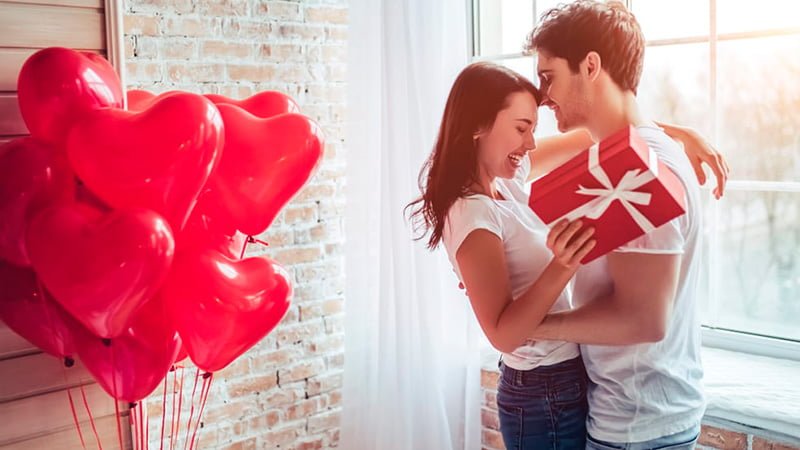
[[514, 269]]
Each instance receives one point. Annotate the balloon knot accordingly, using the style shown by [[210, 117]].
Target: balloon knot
[[68, 361], [207, 375], [107, 342]]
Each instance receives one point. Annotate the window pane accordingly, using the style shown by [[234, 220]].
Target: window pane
[[735, 16], [504, 26], [759, 107], [759, 258], [677, 94], [672, 19]]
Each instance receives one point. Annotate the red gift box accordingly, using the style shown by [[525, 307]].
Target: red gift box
[[619, 187]]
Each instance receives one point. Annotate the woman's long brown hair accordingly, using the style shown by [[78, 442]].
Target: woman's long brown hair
[[480, 91]]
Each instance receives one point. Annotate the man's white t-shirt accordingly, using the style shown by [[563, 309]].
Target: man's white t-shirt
[[524, 241], [647, 391]]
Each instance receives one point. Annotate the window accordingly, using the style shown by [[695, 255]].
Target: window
[[729, 69]]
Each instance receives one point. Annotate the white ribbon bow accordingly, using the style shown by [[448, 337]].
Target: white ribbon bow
[[625, 191]]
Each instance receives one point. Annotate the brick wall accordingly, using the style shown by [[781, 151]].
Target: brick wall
[[711, 437], [286, 392]]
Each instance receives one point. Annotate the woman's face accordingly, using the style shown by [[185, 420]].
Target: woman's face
[[502, 148]]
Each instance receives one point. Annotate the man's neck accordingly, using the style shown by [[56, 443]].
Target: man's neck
[[614, 113]]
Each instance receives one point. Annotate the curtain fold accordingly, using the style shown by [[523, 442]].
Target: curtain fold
[[412, 363]]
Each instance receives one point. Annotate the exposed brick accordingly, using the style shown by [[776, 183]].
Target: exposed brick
[[142, 25], [284, 396], [323, 383], [490, 419], [489, 379], [180, 48], [301, 371], [238, 48], [282, 52], [226, 50], [298, 255], [247, 444], [492, 439], [763, 444], [250, 72], [253, 385], [190, 72], [724, 439], [143, 70], [303, 409], [324, 421], [223, 8], [326, 15], [146, 47], [281, 11], [280, 437]]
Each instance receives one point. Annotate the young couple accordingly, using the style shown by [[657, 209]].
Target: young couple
[[628, 320]]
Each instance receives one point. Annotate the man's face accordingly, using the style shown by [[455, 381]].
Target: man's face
[[565, 92]]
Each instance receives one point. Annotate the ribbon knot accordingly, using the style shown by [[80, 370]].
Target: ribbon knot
[[625, 191]]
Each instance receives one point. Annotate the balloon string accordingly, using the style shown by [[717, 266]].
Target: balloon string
[[244, 247], [119, 423], [172, 426], [180, 402], [164, 409], [191, 410], [207, 378], [135, 426], [114, 387], [75, 417], [253, 240], [91, 419], [72, 406]]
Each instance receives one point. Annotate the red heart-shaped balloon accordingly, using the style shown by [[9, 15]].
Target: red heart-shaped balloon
[[222, 307], [28, 310], [100, 268], [264, 104], [264, 164], [139, 99], [203, 232], [56, 85], [130, 366], [158, 159], [32, 175]]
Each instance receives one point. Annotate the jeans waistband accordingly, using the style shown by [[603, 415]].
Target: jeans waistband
[[541, 373]]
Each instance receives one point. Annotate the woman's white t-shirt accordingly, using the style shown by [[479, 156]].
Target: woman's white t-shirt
[[524, 241]]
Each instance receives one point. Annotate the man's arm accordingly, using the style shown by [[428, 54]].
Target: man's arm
[[637, 311]]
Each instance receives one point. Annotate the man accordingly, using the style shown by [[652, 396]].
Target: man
[[636, 314]]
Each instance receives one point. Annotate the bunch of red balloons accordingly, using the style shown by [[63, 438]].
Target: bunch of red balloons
[[122, 230]]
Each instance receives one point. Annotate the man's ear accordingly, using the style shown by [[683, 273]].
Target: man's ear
[[591, 65]]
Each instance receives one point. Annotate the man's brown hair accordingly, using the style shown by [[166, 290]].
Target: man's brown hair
[[573, 30]]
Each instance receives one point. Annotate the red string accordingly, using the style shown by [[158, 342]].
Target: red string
[[244, 247], [75, 417], [91, 419], [135, 427], [191, 410], [116, 393], [207, 378], [172, 427], [164, 409], [180, 402]]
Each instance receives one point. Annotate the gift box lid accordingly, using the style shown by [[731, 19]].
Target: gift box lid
[[621, 140]]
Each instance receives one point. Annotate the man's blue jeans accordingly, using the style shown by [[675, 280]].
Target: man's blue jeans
[[684, 440], [543, 408]]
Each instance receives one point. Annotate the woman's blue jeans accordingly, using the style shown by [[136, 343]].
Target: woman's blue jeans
[[544, 408]]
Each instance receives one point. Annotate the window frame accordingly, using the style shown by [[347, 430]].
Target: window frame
[[712, 334]]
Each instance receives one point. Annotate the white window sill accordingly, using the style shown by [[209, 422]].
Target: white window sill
[[757, 394], [754, 391]]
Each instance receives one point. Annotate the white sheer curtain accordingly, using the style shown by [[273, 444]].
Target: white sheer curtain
[[411, 377]]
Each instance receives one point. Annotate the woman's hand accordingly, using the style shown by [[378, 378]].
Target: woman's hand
[[700, 152], [569, 243]]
